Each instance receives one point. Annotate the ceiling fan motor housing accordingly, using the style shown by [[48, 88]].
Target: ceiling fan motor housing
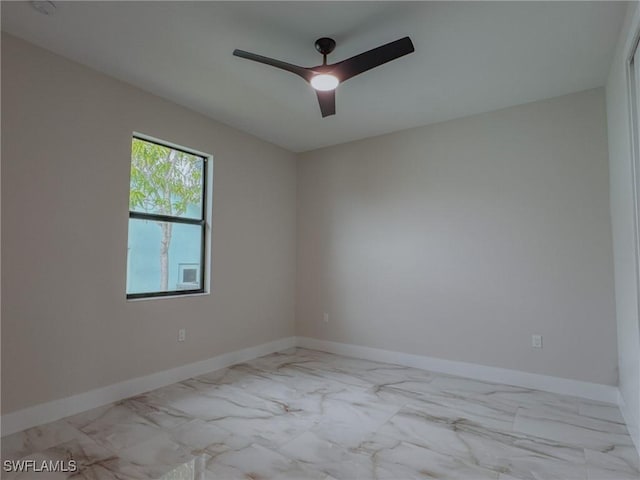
[[325, 45]]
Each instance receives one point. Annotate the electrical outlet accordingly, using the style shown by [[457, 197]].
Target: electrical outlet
[[536, 341], [325, 319], [182, 334]]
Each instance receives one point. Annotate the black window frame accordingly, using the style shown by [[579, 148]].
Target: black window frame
[[202, 222]]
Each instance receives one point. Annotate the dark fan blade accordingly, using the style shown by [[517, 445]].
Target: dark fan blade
[[300, 71], [327, 101], [366, 61]]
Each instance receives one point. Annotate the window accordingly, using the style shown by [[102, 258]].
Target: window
[[167, 221]]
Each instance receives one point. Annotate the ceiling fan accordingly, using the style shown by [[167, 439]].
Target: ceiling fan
[[326, 78]]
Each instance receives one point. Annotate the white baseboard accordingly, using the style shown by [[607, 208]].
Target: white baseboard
[[56, 409], [565, 386], [632, 421]]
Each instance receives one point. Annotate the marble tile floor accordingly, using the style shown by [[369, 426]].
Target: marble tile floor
[[304, 414]]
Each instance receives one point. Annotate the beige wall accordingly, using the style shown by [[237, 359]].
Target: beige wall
[[622, 221], [460, 240], [66, 325], [457, 240]]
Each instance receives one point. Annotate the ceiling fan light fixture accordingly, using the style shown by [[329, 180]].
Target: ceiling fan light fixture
[[325, 78], [324, 82]]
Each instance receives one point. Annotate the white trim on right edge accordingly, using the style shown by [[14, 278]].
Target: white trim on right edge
[[565, 386], [630, 420]]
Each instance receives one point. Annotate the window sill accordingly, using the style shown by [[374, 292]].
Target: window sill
[[166, 297]]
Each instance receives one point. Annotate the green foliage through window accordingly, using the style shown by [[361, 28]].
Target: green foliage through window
[[163, 180]]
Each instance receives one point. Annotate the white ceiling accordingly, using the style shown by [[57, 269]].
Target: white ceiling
[[470, 57]]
